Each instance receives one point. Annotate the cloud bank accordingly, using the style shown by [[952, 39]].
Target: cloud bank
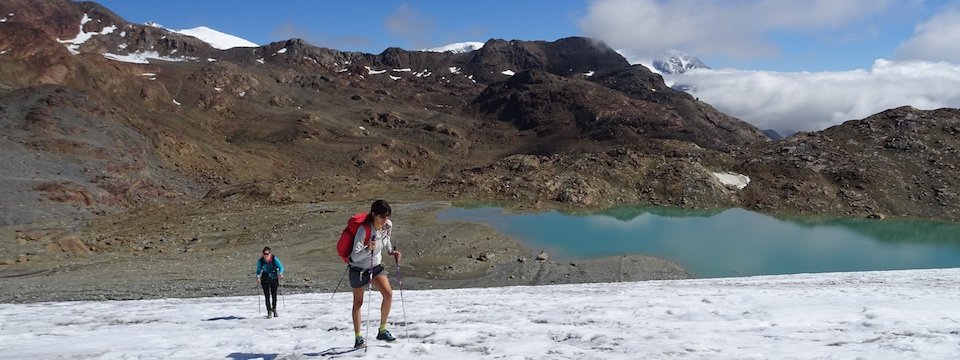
[[935, 39], [790, 102], [923, 73], [648, 28]]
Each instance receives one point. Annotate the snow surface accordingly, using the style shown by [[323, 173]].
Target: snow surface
[[145, 56], [910, 314], [216, 39], [738, 181], [677, 62], [371, 71], [73, 45], [458, 48]]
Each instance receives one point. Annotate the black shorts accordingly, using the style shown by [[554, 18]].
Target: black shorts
[[361, 277]]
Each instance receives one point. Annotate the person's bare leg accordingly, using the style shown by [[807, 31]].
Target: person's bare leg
[[357, 303], [382, 283]]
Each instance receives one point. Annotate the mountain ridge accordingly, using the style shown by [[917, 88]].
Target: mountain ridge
[[430, 121]]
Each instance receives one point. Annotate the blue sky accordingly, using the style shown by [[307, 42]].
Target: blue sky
[[782, 35], [367, 26]]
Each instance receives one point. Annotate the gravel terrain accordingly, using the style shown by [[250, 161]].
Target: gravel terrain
[[209, 249]]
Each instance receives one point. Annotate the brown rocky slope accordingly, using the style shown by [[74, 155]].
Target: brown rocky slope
[[221, 151]]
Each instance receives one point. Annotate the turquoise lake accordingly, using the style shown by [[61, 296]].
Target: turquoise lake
[[732, 242]]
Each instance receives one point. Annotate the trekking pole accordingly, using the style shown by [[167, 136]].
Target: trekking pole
[[258, 300], [282, 298], [369, 296], [338, 282], [406, 332]]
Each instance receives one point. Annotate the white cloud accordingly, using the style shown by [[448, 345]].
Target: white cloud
[[648, 28], [934, 40], [789, 102], [409, 23]]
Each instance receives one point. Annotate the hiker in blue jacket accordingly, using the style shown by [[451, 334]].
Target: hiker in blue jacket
[[365, 260], [269, 273]]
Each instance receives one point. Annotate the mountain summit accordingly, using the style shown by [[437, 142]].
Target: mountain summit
[[457, 48], [677, 62], [103, 116]]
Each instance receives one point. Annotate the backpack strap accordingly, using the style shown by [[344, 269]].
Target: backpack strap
[[369, 228], [263, 264]]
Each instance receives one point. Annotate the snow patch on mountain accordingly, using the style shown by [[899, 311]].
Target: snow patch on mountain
[[738, 181], [216, 39], [145, 57], [73, 45], [457, 48]]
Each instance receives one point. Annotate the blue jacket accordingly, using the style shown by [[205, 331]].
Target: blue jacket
[[270, 269]]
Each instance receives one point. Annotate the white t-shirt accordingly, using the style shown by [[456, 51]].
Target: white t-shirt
[[360, 256]]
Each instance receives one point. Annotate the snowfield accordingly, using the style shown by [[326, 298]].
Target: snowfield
[[912, 314]]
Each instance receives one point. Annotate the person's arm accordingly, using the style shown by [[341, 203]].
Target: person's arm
[[387, 242], [259, 269], [279, 266], [359, 247]]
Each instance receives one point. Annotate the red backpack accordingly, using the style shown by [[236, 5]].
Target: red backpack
[[345, 244]]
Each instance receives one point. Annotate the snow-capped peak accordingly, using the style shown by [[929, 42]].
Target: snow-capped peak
[[216, 39], [677, 62], [458, 48]]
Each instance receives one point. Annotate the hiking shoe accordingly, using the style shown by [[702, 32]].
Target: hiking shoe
[[275, 314], [358, 342], [269, 314], [385, 336]]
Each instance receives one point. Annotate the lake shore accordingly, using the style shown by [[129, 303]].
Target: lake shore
[[209, 249]]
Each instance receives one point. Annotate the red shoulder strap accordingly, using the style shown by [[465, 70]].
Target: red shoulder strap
[[369, 229]]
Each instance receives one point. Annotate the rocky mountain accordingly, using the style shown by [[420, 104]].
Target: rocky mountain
[[772, 134], [677, 62], [102, 116], [901, 161]]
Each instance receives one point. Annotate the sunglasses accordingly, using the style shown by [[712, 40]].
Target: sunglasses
[[266, 253]]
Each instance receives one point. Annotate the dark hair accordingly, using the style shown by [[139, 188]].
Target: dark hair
[[265, 248], [379, 207]]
